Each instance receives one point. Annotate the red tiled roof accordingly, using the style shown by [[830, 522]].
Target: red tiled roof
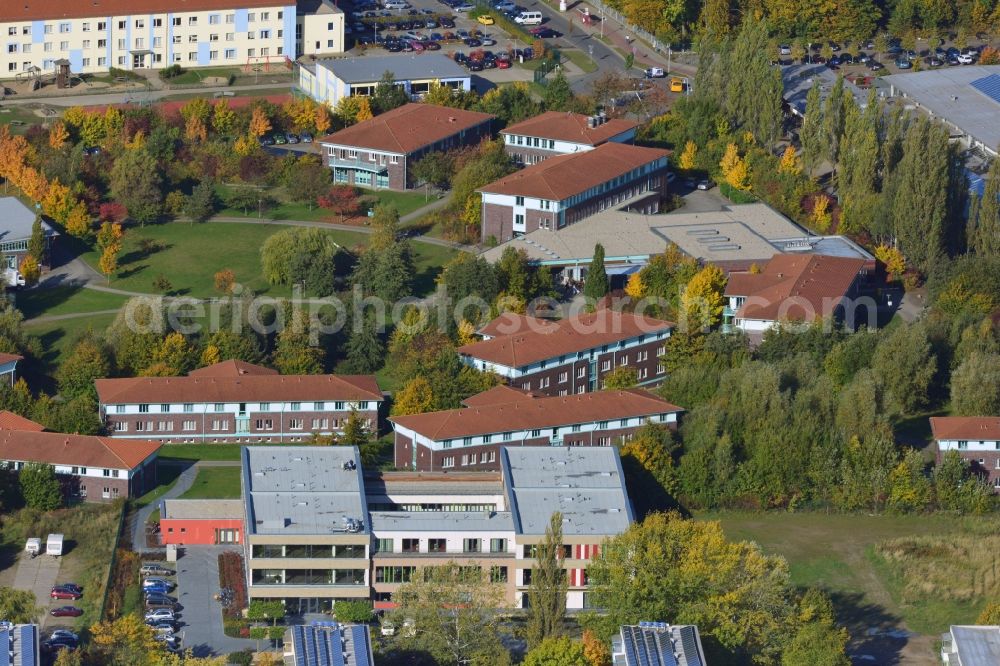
[[40, 10], [408, 128], [10, 358], [565, 336], [535, 414], [499, 395], [571, 127], [245, 388], [12, 421], [512, 322], [979, 428], [232, 368], [560, 177], [794, 287], [55, 448]]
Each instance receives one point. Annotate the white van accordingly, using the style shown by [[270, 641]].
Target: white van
[[397, 4], [529, 18]]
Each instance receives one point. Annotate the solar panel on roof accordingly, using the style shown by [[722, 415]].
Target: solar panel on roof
[[336, 648], [665, 648], [360, 640], [989, 86], [27, 644], [689, 642], [4, 648]]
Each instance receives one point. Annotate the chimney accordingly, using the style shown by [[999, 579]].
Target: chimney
[[591, 122]]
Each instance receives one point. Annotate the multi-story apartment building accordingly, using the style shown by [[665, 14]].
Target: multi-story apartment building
[[236, 402], [94, 469], [977, 440], [572, 355], [564, 189], [135, 34], [471, 437], [380, 151], [307, 532], [318, 530], [563, 133]]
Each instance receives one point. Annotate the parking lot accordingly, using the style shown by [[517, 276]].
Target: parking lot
[[201, 614], [38, 575]]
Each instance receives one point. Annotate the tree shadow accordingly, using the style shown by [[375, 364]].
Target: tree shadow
[[874, 631], [129, 272]]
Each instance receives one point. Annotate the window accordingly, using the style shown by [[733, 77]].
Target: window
[[295, 406], [498, 574], [411, 546], [437, 545], [64, 46], [465, 459], [64, 28], [383, 546], [48, 30], [177, 39], [177, 21], [394, 159], [265, 34], [48, 46], [86, 44], [507, 436], [12, 48], [192, 20], [189, 425], [219, 406], [230, 18], [121, 426], [265, 16], [466, 441], [220, 424], [12, 31], [563, 377], [318, 406], [470, 545], [487, 439], [140, 23], [296, 424], [230, 37], [449, 461], [157, 23], [252, 17], [213, 38], [143, 409], [575, 428], [498, 545], [338, 406], [192, 39], [605, 365], [581, 371], [188, 407], [265, 424], [536, 433], [518, 201], [213, 19]]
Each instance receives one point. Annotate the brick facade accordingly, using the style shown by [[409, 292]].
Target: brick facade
[[985, 464], [108, 489]]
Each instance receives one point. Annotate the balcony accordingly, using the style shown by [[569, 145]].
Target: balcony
[[357, 164]]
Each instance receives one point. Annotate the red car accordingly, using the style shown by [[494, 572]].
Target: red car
[[503, 63], [64, 593], [66, 611]]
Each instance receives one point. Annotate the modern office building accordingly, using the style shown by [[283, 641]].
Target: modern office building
[[380, 152], [563, 133], [93, 37], [236, 402], [329, 81], [977, 440], [470, 438], [571, 355], [657, 644], [561, 190], [318, 529]]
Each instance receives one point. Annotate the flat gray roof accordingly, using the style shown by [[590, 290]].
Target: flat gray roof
[[201, 509], [947, 94], [405, 67], [585, 484], [798, 80], [303, 489], [441, 521], [16, 220], [977, 645], [746, 232]]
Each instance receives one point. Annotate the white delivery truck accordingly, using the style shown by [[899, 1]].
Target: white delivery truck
[[54, 545], [33, 546], [13, 278]]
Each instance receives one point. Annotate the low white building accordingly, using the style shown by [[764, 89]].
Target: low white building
[[137, 34], [971, 646]]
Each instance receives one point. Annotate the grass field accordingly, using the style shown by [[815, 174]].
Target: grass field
[[90, 531], [215, 483], [192, 255], [840, 553], [405, 203], [581, 60], [18, 118], [200, 452], [65, 300], [58, 336], [192, 76]]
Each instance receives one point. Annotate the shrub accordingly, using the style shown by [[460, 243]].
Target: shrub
[[241, 658], [231, 576], [171, 72], [124, 574]]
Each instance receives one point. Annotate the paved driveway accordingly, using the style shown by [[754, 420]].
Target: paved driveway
[[38, 575], [201, 615]]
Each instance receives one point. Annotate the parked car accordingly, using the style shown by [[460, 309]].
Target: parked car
[[446, 23], [160, 615], [904, 63], [966, 59], [472, 42], [388, 629], [66, 611], [155, 570], [64, 593], [475, 66], [505, 6], [655, 73], [488, 41], [306, 137], [70, 586], [875, 65], [172, 643], [64, 633], [292, 138], [152, 581], [545, 33], [705, 184], [784, 49], [485, 19], [503, 63], [163, 628], [933, 61], [59, 644], [432, 46], [430, 24], [464, 7], [280, 139]]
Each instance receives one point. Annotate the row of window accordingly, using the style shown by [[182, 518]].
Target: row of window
[[140, 23], [351, 154], [485, 458], [157, 58], [530, 142], [307, 576], [405, 574], [964, 444], [140, 42], [607, 186], [223, 425], [576, 427], [439, 545], [78, 471], [188, 407], [310, 550]]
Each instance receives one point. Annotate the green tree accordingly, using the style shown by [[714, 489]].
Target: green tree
[[435, 168], [812, 136], [905, 364], [386, 273], [596, 285], [18, 606], [867, 463], [455, 613], [621, 377], [416, 397], [975, 386], [547, 593], [858, 168], [556, 651], [88, 361], [511, 103], [307, 180], [260, 610], [558, 95], [40, 487], [834, 110], [356, 430], [909, 487], [817, 644], [278, 252], [751, 92], [468, 275], [686, 570], [295, 353], [37, 247], [201, 204], [353, 612], [984, 236], [365, 349], [125, 642], [388, 94], [137, 183], [921, 194]]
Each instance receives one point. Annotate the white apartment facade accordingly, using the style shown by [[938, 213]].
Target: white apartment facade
[[94, 37]]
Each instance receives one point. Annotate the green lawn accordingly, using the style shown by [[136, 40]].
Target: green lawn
[[166, 475], [836, 552], [18, 118], [42, 301], [215, 483], [193, 254], [581, 60], [200, 452], [192, 76], [57, 336], [405, 203]]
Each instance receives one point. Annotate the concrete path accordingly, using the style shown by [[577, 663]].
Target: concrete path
[[38, 575], [139, 518], [201, 615]]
